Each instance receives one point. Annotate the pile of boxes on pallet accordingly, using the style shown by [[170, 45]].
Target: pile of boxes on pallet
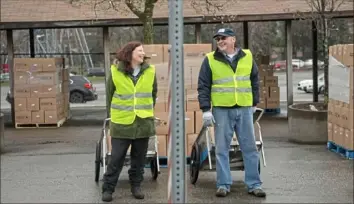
[[194, 54], [269, 88], [341, 97], [41, 92]]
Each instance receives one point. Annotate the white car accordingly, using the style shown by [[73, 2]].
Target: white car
[[309, 63], [307, 84]]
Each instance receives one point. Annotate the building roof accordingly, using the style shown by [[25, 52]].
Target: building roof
[[60, 13]]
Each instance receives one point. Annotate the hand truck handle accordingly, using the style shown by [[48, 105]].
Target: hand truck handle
[[260, 115], [105, 122]]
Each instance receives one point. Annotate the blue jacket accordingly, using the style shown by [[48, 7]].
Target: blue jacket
[[205, 79]]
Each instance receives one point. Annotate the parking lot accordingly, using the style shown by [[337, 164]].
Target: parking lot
[[100, 88], [57, 166]]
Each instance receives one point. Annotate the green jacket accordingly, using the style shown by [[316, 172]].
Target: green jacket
[[141, 127]]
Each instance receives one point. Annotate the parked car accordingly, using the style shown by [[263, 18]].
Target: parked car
[[81, 90], [307, 84], [309, 63], [95, 72]]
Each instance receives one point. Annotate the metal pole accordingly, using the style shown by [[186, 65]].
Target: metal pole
[[10, 55], [31, 43], [107, 62], [245, 35], [177, 166], [314, 62], [289, 64]]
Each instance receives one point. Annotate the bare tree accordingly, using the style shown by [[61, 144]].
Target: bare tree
[[144, 10], [321, 13]]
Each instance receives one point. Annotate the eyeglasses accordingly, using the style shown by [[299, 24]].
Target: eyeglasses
[[220, 38]]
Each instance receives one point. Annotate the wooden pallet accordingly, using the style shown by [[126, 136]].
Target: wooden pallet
[[348, 154], [41, 125], [271, 110]]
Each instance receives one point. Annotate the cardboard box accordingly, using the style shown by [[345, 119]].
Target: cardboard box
[[53, 116], [346, 117], [349, 139], [23, 117], [274, 92], [264, 92], [50, 104], [271, 81], [162, 145], [46, 78], [330, 131], [261, 81], [27, 65], [21, 78], [20, 104], [192, 105], [336, 136], [33, 104], [37, 117], [273, 103], [348, 55], [162, 129], [155, 52], [262, 103], [51, 64], [22, 91], [265, 70]]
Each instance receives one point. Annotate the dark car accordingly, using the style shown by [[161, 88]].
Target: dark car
[[96, 72], [81, 90]]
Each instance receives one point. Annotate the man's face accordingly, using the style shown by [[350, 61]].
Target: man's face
[[225, 43]]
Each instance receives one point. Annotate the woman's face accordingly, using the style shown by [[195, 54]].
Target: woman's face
[[138, 54]]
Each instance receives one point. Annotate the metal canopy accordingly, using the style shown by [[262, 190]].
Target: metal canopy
[[162, 21]]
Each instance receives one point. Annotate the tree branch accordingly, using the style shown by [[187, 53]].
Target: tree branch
[[134, 8]]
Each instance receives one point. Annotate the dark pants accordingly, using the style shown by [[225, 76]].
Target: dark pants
[[137, 159]]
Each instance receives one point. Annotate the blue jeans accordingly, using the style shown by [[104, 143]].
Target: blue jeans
[[239, 120]]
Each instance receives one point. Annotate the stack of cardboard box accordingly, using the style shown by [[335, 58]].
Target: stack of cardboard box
[[40, 85], [341, 96], [269, 91], [193, 57]]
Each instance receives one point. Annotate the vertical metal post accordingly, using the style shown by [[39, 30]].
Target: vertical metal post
[[245, 34], [10, 57], [107, 62], [31, 43], [289, 64], [177, 134], [198, 33], [314, 62]]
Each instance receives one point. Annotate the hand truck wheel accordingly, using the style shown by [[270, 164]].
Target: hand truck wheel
[[98, 160], [194, 163], [153, 168]]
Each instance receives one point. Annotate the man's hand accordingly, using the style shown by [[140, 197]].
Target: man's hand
[[208, 119], [254, 108]]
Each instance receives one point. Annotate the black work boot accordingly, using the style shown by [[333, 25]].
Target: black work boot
[[107, 196], [137, 192]]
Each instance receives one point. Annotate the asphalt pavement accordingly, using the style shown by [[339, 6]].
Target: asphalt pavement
[[100, 88], [57, 166]]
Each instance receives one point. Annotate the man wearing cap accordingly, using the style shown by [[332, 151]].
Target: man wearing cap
[[228, 93]]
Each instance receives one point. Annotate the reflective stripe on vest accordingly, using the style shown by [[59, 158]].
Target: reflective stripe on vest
[[229, 88], [129, 101]]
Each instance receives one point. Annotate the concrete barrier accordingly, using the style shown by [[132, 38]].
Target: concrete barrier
[[307, 126]]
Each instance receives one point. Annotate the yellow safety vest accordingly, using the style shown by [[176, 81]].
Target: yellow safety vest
[[230, 88], [130, 101]]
